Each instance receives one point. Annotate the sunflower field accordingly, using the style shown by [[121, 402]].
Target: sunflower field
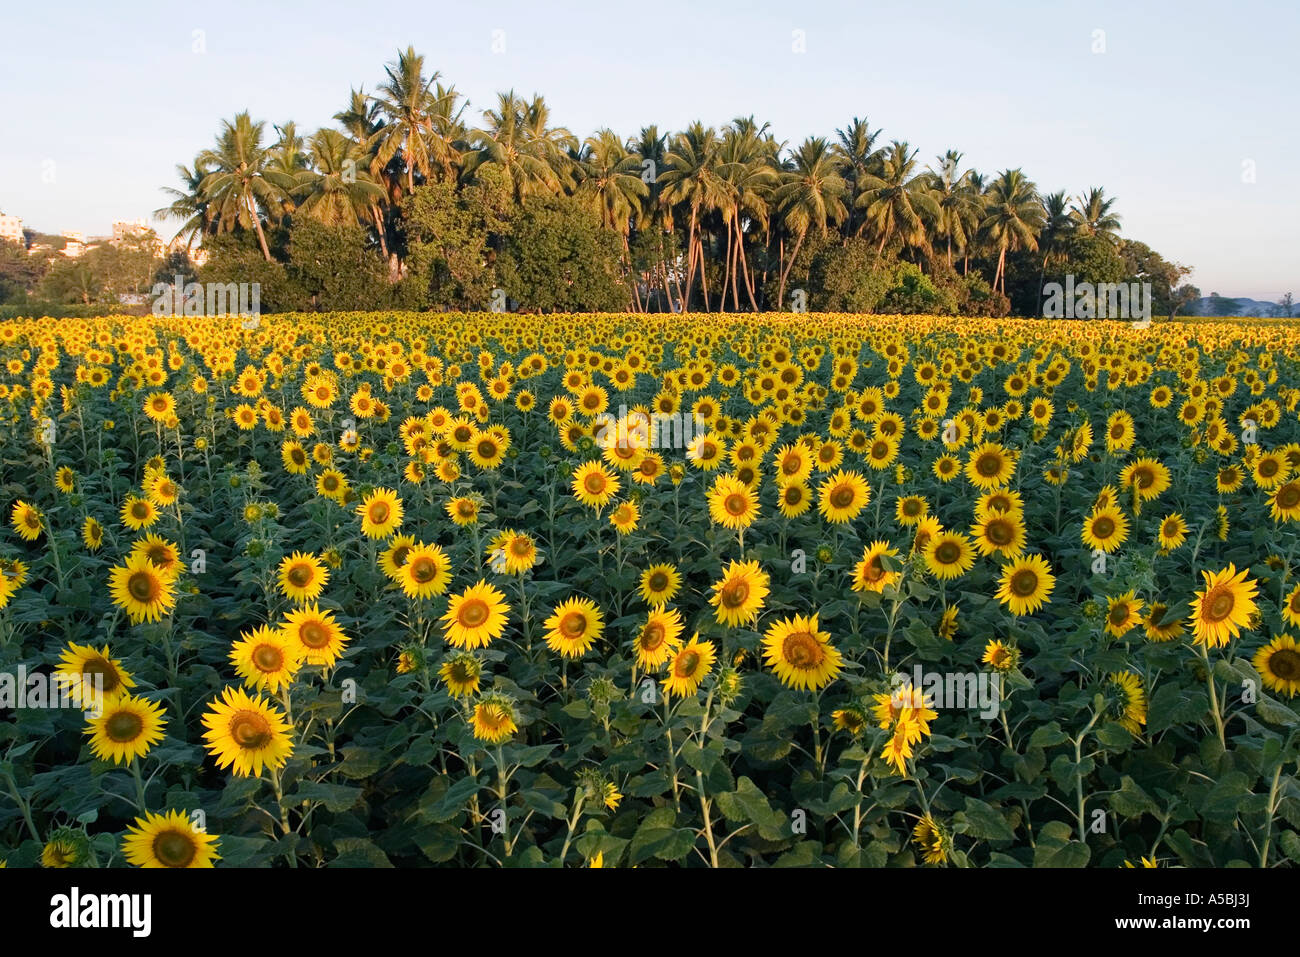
[[495, 590]]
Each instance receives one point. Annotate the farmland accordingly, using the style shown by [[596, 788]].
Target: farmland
[[486, 589]]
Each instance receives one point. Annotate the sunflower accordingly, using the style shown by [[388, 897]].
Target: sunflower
[[1228, 479], [851, 720], [461, 674], [266, 659], [999, 532], [933, 839], [573, 627], [949, 555], [92, 533], [1278, 663], [138, 513], [1291, 607], [161, 490], [246, 733], [870, 574], [142, 589], [302, 577], [1001, 655], [426, 572], [911, 509], [1026, 584], [1147, 477], [794, 463], [1284, 502], [494, 719], [294, 457], [1130, 709], [1123, 613], [794, 498], [392, 558], [332, 484], [65, 480], [381, 513], [463, 511], [948, 623], [594, 485], [476, 616], [842, 496], [1160, 625], [87, 673], [125, 729], [486, 450], [739, 594], [658, 638], [659, 583], [315, 634], [990, 466], [800, 654], [625, 517], [168, 840], [1223, 607], [26, 521], [1105, 528], [690, 665], [1172, 532], [513, 552], [945, 468]]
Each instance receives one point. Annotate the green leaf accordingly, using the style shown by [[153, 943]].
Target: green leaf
[[983, 822]]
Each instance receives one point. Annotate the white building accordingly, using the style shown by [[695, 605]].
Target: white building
[[74, 244], [11, 228]]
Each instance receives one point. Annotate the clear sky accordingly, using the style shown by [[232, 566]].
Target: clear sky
[[1189, 100]]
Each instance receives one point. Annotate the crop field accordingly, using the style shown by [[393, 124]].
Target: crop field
[[496, 590]]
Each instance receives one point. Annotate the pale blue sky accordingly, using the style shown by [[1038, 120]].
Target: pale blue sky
[[1184, 94]]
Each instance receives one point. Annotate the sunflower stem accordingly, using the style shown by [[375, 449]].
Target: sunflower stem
[[1214, 694], [139, 786], [1268, 826]]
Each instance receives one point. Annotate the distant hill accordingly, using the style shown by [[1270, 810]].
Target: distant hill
[[1211, 306]]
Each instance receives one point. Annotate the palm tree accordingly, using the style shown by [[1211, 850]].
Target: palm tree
[[611, 180], [362, 122], [407, 103], [811, 196], [240, 182], [895, 199], [692, 178], [856, 147], [555, 144], [1092, 216], [959, 208], [1057, 226], [654, 214], [288, 158], [506, 140], [1013, 216], [339, 190], [752, 180], [188, 204]]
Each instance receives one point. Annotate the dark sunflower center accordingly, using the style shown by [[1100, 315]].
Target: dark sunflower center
[[988, 465], [1024, 582], [250, 730], [688, 663], [1285, 664], [842, 496], [300, 576], [947, 553], [424, 570], [735, 593], [1218, 604], [379, 513], [1288, 496], [268, 658], [313, 634], [573, 625], [124, 726], [143, 587], [999, 532], [1103, 527], [736, 504], [652, 636], [473, 613]]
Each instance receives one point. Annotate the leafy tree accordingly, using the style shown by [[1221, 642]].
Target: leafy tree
[[558, 259], [336, 267]]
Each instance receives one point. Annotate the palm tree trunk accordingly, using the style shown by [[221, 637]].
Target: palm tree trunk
[[699, 262], [379, 227], [261, 237], [786, 271], [690, 259], [726, 272]]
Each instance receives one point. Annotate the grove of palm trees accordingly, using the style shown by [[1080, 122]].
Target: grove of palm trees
[[417, 201]]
